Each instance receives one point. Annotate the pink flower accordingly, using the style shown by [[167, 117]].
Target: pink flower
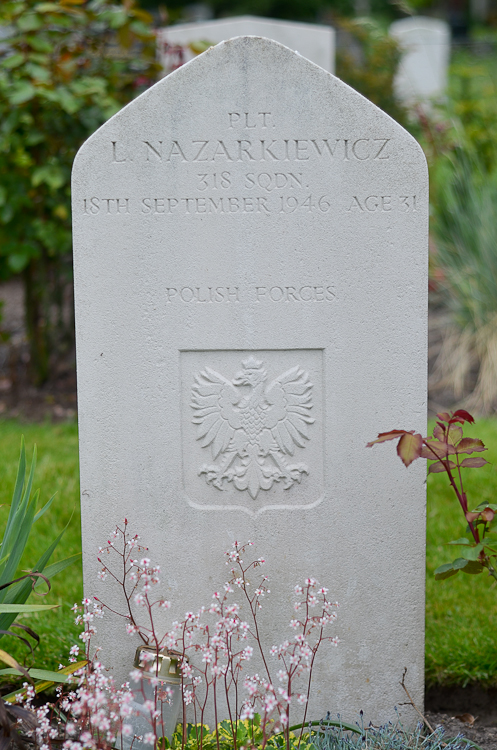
[[247, 712]]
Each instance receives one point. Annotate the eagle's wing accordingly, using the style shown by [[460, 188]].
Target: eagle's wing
[[289, 413], [213, 401]]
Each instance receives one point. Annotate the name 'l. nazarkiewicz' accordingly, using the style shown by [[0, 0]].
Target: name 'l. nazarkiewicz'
[[254, 150]]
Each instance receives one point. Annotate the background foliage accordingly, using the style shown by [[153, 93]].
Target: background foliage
[[57, 472], [64, 69], [459, 139]]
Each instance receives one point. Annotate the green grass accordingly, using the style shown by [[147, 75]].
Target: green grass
[[461, 612], [56, 472]]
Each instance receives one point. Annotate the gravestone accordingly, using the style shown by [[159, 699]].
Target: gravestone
[[251, 228], [315, 42], [422, 73]]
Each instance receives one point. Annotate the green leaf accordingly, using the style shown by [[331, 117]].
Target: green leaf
[[17, 262], [460, 563], [29, 22], [6, 609], [445, 571], [57, 567], [44, 684], [47, 7], [13, 61], [50, 174], [38, 674], [39, 44], [22, 92], [447, 574], [8, 659], [6, 214], [472, 553], [201, 46], [3, 195], [462, 540], [473, 568]]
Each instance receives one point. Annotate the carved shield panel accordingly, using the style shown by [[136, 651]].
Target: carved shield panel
[[252, 429]]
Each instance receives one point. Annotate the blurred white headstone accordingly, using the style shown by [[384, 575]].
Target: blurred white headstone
[[250, 260], [422, 73], [315, 42]]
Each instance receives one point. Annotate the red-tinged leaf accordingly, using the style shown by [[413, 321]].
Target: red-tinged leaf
[[454, 434], [471, 516], [488, 514], [444, 416], [409, 447], [470, 445], [464, 415], [473, 463], [438, 467], [435, 449], [383, 436], [439, 432]]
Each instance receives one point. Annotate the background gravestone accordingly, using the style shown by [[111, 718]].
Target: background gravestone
[[315, 42], [254, 230], [423, 68]]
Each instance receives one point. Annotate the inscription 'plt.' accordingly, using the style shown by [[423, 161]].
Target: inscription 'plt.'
[[252, 426]]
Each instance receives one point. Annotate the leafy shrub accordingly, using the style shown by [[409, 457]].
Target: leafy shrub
[[370, 63], [64, 69]]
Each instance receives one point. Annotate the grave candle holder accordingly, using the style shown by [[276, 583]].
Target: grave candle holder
[[160, 685]]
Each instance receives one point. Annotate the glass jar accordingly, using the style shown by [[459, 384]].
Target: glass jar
[[156, 700]]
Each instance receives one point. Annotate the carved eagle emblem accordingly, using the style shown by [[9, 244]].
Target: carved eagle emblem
[[252, 426]]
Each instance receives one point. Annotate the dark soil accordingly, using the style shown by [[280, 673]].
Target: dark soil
[[455, 708]]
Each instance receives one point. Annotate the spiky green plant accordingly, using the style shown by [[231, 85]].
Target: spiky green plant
[[23, 514], [465, 227]]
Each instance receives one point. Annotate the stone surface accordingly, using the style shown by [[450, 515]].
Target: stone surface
[[422, 73], [253, 226], [316, 43]]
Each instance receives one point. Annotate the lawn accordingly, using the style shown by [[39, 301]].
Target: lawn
[[57, 472], [461, 612]]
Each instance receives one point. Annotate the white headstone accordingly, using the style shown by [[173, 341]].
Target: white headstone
[[422, 73], [252, 222], [315, 42]]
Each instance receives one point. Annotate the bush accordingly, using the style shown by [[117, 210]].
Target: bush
[[64, 69]]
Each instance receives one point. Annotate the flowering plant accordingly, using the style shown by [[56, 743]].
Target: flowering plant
[[213, 647], [450, 452]]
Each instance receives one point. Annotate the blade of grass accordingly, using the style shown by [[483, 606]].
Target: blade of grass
[[44, 684]]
